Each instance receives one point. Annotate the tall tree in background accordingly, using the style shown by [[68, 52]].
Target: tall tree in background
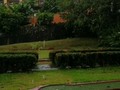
[[99, 16], [10, 22], [50, 6]]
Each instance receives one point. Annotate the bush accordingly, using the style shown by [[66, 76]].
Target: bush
[[33, 53], [87, 59], [17, 62], [53, 54]]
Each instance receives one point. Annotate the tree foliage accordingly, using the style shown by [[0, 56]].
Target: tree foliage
[[45, 18], [10, 21], [99, 16], [50, 6]]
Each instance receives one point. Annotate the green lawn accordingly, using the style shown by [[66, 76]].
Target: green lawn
[[43, 53], [54, 44], [26, 81], [43, 48]]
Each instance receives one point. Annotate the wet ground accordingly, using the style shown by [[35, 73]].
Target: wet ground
[[44, 67]]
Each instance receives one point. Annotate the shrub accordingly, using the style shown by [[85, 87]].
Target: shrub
[[17, 62], [52, 55], [87, 59], [81, 52], [33, 53], [61, 60], [71, 60]]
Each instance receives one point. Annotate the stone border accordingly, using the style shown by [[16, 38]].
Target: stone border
[[78, 84], [90, 83]]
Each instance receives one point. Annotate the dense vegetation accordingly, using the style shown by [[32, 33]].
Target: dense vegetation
[[84, 18], [17, 62], [99, 16], [85, 58]]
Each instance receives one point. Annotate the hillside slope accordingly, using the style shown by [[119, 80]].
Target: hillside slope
[[68, 43]]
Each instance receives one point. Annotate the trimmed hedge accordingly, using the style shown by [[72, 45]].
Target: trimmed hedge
[[18, 52], [17, 62], [52, 54], [85, 59]]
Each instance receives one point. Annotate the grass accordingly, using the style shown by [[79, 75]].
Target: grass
[[43, 53], [26, 81], [43, 48], [54, 44]]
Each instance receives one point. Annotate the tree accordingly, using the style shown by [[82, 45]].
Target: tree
[[45, 18], [44, 22], [79, 15], [50, 6], [99, 16], [10, 22]]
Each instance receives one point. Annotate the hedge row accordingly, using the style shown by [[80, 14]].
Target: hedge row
[[17, 62], [84, 59], [89, 59], [19, 52], [53, 53]]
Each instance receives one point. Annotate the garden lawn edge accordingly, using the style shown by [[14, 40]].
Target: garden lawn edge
[[76, 84]]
